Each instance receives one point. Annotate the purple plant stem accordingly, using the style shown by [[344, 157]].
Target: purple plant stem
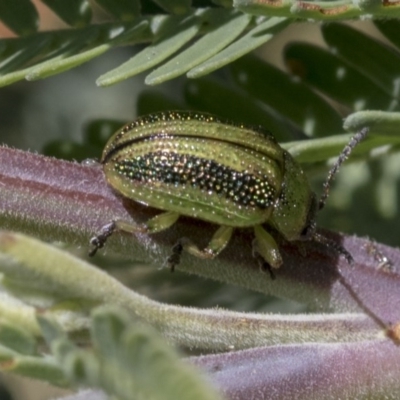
[[59, 200], [369, 369]]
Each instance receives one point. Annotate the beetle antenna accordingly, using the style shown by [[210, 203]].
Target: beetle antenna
[[354, 141], [330, 244]]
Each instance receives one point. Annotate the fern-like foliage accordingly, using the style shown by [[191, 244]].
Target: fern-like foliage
[[126, 360], [181, 38]]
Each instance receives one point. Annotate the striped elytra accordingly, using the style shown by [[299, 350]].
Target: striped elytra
[[169, 168]]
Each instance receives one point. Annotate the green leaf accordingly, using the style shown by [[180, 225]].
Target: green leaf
[[335, 77], [150, 101], [67, 58], [175, 33], [61, 64], [377, 61], [126, 360], [129, 33], [61, 276], [19, 52], [20, 16], [379, 122], [225, 27], [3, 47], [18, 340], [133, 358], [383, 131], [51, 50], [321, 149], [390, 28], [51, 331], [257, 36], [175, 6], [29, 268], [107, 331], [223, 3], [214, 97], [97, 132], [76, 13], [124, 10], [45, 369], [295, 100], [71, 53]]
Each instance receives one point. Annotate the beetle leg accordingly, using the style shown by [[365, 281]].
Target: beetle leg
[[161, 222], [99, 240], [156, 224], [218, 242], [264, 266], [267, 247]]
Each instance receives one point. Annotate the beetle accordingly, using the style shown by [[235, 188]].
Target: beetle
[[236, 176]]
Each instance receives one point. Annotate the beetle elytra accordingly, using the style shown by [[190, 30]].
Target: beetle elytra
[[194, 164]]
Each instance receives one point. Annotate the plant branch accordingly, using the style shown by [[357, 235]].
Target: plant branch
[[70, 202]]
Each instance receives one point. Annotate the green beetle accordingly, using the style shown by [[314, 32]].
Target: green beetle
[[194, 164]]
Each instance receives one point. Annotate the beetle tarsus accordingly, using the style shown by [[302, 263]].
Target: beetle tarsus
[[99, 240], [264, 266], [175, 258]]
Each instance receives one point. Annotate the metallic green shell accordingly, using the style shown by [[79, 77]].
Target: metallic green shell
[[199, 166]]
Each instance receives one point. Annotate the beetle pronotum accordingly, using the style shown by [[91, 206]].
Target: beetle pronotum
[[194, 164]]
